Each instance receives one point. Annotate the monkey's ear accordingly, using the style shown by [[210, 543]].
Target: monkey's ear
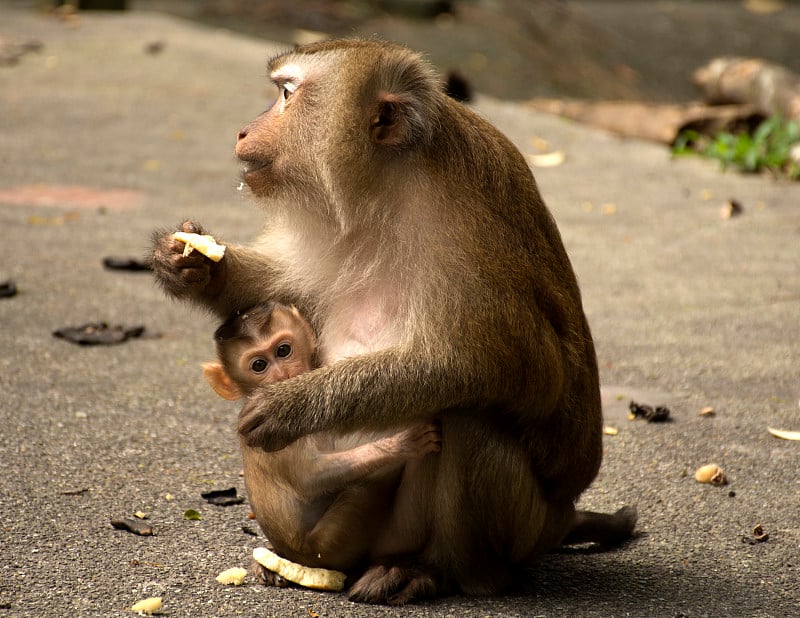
[[311, 338], [392, 122], [215, 375]]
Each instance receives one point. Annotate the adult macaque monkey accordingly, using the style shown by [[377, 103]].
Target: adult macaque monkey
[[412, 234], [322, 499]]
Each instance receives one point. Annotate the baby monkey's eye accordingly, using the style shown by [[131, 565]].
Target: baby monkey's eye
[[258, 365], [283, 350]]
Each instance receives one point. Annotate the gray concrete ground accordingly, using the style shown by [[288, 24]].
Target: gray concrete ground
[[688, 310]]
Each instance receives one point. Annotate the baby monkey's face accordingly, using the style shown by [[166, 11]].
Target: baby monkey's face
[[283, 349]]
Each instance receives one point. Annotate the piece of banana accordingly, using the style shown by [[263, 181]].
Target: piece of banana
[[148, 606], [233, 576], [318, 579], [204, 243]]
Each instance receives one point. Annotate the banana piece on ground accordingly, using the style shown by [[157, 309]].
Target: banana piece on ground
[[318, 579], [204, 243], [233, 576], [148, 606]]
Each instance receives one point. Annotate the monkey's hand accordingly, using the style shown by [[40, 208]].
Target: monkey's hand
[[182, 274], [415, 442], [243, 276], [259, 427]]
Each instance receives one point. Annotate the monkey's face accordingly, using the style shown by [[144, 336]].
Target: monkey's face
[[274, 360], [258, 148], [279, 147], [278, 357], [283, 349], [344, 115]]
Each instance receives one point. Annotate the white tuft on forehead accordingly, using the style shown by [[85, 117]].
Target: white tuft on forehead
[[288, 73]]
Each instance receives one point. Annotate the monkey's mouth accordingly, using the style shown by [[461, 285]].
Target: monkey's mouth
[[251, 168], [258, 173]]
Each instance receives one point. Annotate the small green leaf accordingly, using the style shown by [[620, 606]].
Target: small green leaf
[[192, 515], [769, 147], [684, 142]]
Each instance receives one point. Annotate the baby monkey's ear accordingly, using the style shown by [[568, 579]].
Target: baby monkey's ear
[[220, 381]]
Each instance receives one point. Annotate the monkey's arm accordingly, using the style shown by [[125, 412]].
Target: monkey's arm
[[238, 281], [370, 392], [331, 472]]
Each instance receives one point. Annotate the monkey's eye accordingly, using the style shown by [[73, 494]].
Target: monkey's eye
[[287, 90], [258, 365], [283, 350]]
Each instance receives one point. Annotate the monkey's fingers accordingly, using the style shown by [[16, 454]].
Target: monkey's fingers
[[192, 268], [265, 577], [177, 274], [190, 227], [395, 585], [426, 439], [434, 442], [257, 430], [433, 432]]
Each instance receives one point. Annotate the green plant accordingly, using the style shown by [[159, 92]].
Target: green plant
[[769, 147]]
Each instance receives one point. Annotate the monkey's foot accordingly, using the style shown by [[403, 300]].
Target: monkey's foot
[[266, 577], [394, 585], [608, 530]]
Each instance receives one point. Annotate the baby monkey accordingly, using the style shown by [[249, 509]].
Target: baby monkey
[[264, 345], [324, 496]]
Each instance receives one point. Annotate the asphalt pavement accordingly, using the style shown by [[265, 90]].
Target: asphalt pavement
[[120, 124]]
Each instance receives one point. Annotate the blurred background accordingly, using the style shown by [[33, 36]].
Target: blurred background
[[518, 49]]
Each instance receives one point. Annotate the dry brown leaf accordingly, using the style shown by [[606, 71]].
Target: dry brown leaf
[[707, 411], [759, 534]]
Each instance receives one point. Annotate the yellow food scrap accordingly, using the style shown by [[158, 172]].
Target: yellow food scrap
[[783, 434], [319, 579], [549, 159], [712, 474], [145, 607], [233, 576], [204, 243]]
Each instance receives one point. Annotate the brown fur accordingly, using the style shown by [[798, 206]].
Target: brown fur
[[413, 234], [320, 500]]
